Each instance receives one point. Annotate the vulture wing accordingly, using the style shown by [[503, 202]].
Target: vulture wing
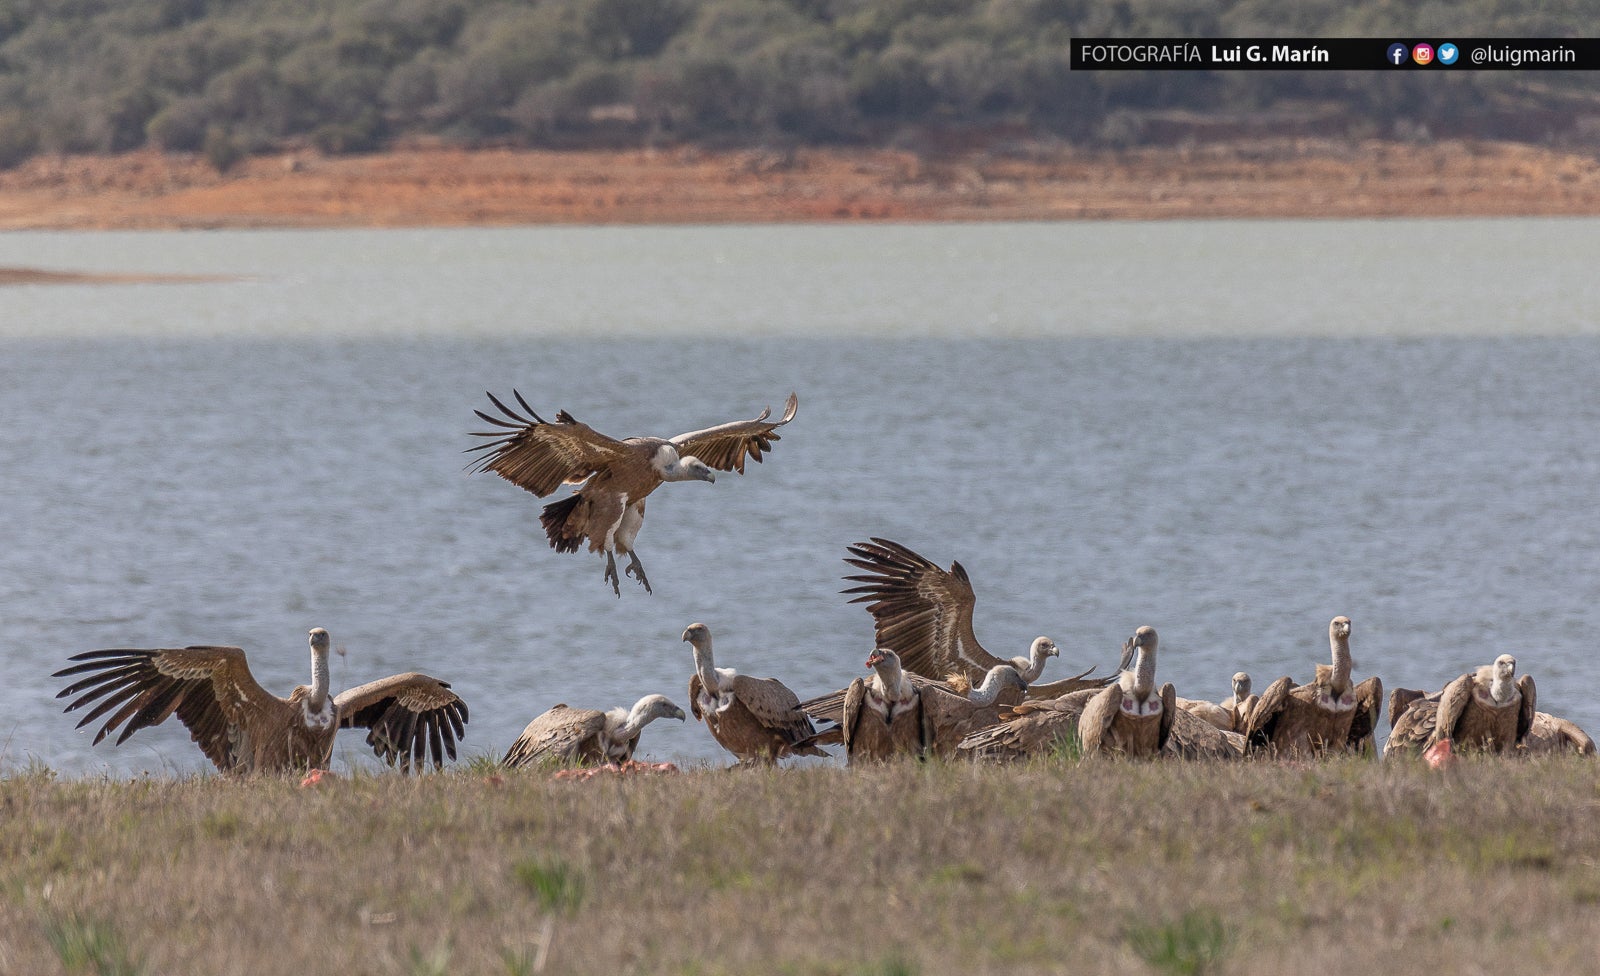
[[408, 717], [210, 688], [541, 456], [920, 611], [562, 734], [726, 446]]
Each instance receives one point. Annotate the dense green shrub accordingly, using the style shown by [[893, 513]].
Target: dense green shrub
[[348, 75]]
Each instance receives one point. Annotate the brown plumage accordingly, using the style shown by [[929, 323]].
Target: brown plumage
[[883, 716], [1036, 727], [1487, 710], [756, 719], [614, 476], [587, 736], [924, 613], [1328, 714], [950, 717], [242, 728], [1550, 734], [1235, 706], [1131, 718]]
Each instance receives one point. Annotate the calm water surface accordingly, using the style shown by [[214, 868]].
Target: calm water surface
[[1229, 431]]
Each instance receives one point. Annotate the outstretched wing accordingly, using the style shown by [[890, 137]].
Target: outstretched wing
[[541, 456], [921, 612], [209, 688], [560, 734], [408, 717], [726, 446]]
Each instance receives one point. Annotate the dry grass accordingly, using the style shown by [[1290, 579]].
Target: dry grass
[[1087, 868]]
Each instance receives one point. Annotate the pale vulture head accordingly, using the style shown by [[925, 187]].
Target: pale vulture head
[[698, 634], [319, 641], [1241, 685], [651, 707], [1339, 628]]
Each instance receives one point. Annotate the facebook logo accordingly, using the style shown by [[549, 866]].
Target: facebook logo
[[1397, 54]]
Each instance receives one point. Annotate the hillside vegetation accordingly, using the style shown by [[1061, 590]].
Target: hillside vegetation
[[232, 77]]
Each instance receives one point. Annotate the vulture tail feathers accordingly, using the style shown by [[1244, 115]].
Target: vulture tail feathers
[[565, 531]]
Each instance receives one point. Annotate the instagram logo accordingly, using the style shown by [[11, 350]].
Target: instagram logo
[[1422, 54]]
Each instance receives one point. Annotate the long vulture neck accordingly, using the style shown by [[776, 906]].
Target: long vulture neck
[[985, 694], [1036, 660], [1144, 674], [1341, 660], [891, 678], [318, 698], [704, 667], [1501, 686], [637, 718]]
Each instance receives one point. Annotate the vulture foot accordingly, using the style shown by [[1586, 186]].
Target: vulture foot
[[636, 570], [611, 574]]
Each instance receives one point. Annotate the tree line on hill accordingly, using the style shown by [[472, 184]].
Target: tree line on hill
[[230, 77]]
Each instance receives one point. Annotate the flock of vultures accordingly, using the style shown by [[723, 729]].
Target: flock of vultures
[[933, 690]]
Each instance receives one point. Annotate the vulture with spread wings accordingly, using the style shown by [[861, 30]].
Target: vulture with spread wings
[[614, 476], [243, 728], [924, 613]]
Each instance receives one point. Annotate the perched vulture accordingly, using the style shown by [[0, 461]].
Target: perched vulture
[[756, 719], [614, 475], [1327, 715], [587, 736], [830, 707], [949, 717], [1551, 734], [1131, 718], [1225, 715], [1038, 728], [925, 614], [1487, 710], [883, 717], [1031, 729], [242, 728]]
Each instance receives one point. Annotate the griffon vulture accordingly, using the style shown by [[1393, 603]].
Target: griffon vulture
[[883, 717], [614, 476], [925, 614], [587, 736], [1327, 715], [242, 728], [1131, 718], [756, 719], [1487, 710], [1225, 715]]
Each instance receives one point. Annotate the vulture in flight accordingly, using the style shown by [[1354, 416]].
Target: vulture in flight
[[756, 719], [614, 476], [587, 736], [242, 728], [924, 613]]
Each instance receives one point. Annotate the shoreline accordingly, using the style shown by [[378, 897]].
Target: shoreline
[[418, 187]]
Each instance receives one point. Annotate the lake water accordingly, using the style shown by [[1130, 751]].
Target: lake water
[[1232, 431]]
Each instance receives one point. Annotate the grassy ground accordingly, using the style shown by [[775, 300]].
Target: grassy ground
[[1344, 867]]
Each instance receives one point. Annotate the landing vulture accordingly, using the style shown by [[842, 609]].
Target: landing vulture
[[756, 719], [925, 614], [1487, 710], [242, 728], [614, 476], [587, 736], [1131, 718], [1327, 715]]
